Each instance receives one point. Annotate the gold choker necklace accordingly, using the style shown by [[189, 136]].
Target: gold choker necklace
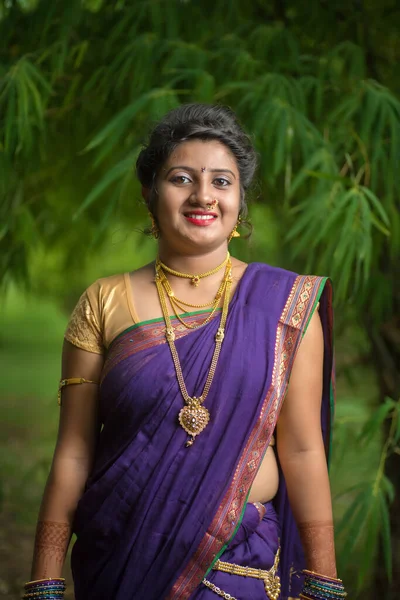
[[194, 279], [194, 417], [179, 306]]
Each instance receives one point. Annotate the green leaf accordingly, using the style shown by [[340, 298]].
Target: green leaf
[[386, 536], [318, 162], [115, 128], [371, 529], [376, 204], [374, 424], [111, 176], [388, 489]]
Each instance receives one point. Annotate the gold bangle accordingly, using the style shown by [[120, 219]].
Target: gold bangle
[[44, 580], [306, 571], [71, 381]]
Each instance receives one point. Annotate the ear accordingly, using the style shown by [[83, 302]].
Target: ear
[[146, 194]]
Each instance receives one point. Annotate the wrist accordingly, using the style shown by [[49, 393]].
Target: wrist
[[45, 589], [321, 587]]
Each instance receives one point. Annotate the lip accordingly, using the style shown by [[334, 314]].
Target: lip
[[201, 222]]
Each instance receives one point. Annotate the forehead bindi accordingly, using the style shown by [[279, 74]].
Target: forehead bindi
[[203, 156]]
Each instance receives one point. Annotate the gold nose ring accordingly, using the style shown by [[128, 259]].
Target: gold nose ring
[[212, 204]]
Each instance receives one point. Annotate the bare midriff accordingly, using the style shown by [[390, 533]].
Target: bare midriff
[[266, 482]]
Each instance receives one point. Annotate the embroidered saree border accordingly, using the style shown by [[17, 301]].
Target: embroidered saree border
[[143, 336], [332, 384], [298, 308]]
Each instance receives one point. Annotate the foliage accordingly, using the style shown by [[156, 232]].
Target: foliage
[[367, 518], [328, 134]]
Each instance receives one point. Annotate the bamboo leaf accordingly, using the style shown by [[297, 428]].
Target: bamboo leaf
[[155, 103], [386, 536], [116, 127], [352, 521], [388, 489], [376, 204], [374, 424], [371, 528], [322, 162], [114, 174]]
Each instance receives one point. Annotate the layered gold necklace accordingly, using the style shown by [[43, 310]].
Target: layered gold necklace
[[194, 417], [194, 279], [180, 305]]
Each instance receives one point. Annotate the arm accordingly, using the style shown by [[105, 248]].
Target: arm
[[302, 454], [72, 462]]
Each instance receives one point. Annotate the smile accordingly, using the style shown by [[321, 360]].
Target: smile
[[200, 217]]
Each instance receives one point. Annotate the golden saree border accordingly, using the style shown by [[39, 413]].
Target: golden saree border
[[300, 304]]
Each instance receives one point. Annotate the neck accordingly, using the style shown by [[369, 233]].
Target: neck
[[195, 264]]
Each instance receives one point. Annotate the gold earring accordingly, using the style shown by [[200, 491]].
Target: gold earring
[[154, 231], [235, 233]]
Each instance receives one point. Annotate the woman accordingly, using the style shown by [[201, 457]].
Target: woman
[[186, 463]]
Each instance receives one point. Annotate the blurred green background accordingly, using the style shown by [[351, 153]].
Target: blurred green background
[[317, 86]]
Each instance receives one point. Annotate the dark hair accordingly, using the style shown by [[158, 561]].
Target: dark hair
[[202, 122]]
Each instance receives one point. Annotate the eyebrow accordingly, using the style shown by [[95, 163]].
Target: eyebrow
[[186, 168]]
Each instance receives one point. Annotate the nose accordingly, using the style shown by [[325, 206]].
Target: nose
[[202, 194]]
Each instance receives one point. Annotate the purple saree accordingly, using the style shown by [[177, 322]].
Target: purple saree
[[155, 515]]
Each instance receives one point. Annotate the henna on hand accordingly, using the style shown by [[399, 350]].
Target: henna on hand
[[51, 544], [319, 546]]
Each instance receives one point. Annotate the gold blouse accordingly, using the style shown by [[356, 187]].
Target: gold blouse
[[103, 311]]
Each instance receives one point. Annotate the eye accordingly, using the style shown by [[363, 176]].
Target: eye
[[221, 182], [180, 179]]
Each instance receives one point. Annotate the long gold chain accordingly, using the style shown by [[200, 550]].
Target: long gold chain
[[214, 588], [194, 417], [194, 279]]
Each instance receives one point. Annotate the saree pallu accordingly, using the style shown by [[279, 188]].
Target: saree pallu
[[156, 515]]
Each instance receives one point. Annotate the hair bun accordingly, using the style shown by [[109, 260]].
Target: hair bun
[[196, 121]]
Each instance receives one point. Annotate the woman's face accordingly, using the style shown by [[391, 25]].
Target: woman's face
[[195, 175]]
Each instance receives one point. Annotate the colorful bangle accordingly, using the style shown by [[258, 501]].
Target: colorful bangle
[[322, 587], [45, 589]]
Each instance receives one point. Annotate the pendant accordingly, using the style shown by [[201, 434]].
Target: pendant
[[195, 280], [193, 418]]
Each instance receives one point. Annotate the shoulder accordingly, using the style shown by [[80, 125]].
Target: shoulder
[[265, 277], [269, 271], [286, 279], [290, 293], [103, 292], [104, 286], [87, 325]]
